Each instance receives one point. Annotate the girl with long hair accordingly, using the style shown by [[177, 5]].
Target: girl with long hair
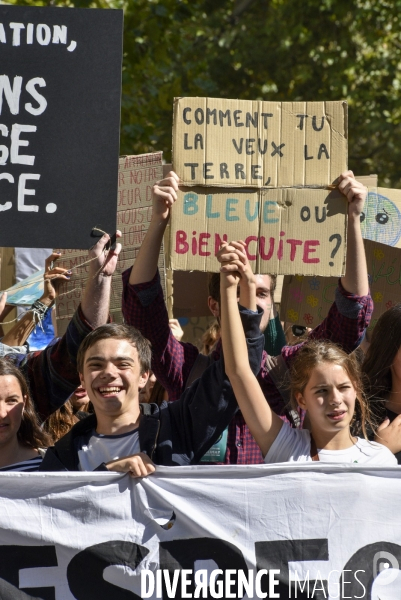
[[325, 382], [382, 377], [20, 432]]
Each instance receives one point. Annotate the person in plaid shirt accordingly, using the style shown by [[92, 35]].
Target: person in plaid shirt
[[143, 307]]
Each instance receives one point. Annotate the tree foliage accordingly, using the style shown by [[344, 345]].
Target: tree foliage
[[264, 49]]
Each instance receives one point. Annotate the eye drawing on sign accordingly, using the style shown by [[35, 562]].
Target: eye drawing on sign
[[381, 220]]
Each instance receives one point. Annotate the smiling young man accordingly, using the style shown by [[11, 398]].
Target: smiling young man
[[122, 435]]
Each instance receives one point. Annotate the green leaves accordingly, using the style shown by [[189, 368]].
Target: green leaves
[[268, 49]]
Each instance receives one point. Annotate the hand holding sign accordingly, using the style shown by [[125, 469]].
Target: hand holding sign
[[53, 277], [105, 261], [355, 192], [164, 195]]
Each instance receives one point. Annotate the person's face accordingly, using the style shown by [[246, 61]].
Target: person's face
[[12, 404], [112, 376], [329, 397], [264, 299]]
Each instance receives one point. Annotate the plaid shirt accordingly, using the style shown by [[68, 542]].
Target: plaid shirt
[[52, 373], [144, 308]]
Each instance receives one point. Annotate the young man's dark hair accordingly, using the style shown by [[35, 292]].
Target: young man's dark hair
[[118, 332]]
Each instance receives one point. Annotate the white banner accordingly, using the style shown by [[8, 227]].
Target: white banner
[[333, 531]]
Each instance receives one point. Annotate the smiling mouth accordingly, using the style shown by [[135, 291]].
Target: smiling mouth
[[109, 391]]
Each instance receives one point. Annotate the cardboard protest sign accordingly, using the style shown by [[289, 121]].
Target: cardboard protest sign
[[137, 175], [60, 87], [220, 142], [307, 300], [287, 231]]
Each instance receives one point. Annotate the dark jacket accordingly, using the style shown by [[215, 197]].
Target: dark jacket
[[177, 433]]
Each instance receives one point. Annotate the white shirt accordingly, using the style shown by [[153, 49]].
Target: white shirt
[[293, 445], [104, 448]]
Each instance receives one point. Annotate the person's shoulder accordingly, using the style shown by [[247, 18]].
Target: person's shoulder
[[371, 448]]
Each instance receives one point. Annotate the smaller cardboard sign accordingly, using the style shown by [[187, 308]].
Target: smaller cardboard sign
[[287, 231], [220, 142], [137, 175], [381, 219], [307, 300]]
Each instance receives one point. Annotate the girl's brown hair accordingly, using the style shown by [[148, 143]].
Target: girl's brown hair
[[376, 368], [315, 352], [29, 434]]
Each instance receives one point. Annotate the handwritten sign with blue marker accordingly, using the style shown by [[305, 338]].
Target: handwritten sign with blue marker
[[285, 230]]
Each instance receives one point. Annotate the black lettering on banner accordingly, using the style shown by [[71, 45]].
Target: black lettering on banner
[[314, 124], [182, 554], [211, 113], [225, 115], [10, 592], [365, 565], [236, 115], [277, 555], [306, 157], [184, 115], [15, 558], [305, 213], [277, 149], [199, 116], [186, 144], [249, 119], [238, 148], [192, 165], [239, 170], [322, 150], [265, 117], [224, 171], [301, 121], [254, 172], [198, 141], [324, 214], [248, 148], [85, 571], [206, 170], [264, 146]]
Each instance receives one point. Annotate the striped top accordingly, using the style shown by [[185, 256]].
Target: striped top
[[28, 466]]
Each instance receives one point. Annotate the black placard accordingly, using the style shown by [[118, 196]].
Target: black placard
[[60, 90]]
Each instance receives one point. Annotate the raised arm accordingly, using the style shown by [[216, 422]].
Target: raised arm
[[164, 195], [52, 372], [355, 279], [262, 422], [95, 302], [143, 304], [53, 276]]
